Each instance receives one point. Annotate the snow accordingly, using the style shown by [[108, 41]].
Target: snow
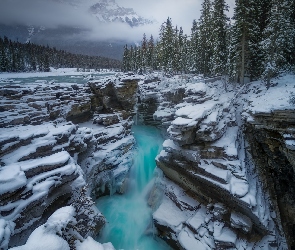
[[168, 214], [46, 236], [196, 88], [189, 242], [179, 121], [198, 219], [224, 234], [6, 229], [54, 159], [276, 97], [53, 72], [196, 112], [11, 179], [91, 244]]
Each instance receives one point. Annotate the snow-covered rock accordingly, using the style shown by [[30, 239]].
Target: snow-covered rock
[[59, 233], [55, 138], [220, 146]]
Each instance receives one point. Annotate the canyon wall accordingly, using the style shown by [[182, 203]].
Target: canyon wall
[[226, 169], [62, 144], [231, 155]]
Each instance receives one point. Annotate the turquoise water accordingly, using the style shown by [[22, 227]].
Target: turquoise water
[[128, 216]]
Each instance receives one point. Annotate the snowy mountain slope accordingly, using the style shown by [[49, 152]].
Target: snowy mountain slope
[[110, 11]]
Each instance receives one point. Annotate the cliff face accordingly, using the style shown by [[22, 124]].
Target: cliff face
[[270, 143], [231, 153], [228, 161], [55, 139]]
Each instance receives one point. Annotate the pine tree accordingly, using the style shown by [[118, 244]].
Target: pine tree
[[175, 56], [126, 59], [205, 38], [132, 58], [239, 48], [219, 42], [278, 39], [144, 52], [151, 53], [194, 58], [166, 45]]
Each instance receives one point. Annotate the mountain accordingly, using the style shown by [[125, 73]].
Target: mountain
[[61, 37], [110, 11]]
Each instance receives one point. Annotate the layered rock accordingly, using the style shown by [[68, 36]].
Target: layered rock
[[209, 155], [54, 139]]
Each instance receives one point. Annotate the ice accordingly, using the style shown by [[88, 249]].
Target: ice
[[239, 220]]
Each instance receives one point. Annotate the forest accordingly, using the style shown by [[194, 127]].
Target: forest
[[257, 43], [22, 57]]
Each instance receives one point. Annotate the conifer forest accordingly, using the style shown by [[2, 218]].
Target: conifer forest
[[21, 57], [258, 42]]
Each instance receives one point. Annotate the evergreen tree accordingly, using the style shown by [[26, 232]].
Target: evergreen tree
[[194, 58], [219, 42], [144, 52], [175, 56], [126, 59], [151, 53], [205, 38], [166, 45], [278, 40]]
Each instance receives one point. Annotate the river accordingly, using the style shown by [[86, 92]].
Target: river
[[128, 216]]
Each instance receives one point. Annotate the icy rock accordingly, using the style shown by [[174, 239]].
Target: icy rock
[[239, 220], [6, 229]]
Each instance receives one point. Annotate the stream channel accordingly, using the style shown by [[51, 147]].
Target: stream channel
[[129, 218]]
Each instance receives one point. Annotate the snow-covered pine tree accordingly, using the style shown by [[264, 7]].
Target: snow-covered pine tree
[[292, 9], [185, 55], [166, 45], [278, 39], [138, 59], [205, 38], [151, 53], [157, 55], [144, 52], [126, 59], [257, 23], [194, 57], [131, 58], [175, 56], [219, 42], [239, 47]]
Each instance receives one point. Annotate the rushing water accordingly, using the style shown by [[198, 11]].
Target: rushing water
[[129, 218]]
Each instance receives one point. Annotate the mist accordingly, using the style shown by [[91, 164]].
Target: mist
[[53, 14]]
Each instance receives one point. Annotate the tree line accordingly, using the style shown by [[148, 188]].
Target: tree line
[[259, 42], [21, 57]]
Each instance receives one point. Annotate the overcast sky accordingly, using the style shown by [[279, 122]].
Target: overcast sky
[[51, 14]]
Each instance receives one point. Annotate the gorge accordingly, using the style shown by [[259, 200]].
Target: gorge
[[225, 174]]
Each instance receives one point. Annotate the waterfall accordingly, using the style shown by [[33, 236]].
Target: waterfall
[[129, 217]]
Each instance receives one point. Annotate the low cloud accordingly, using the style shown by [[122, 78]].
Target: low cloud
[[53, 14]]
